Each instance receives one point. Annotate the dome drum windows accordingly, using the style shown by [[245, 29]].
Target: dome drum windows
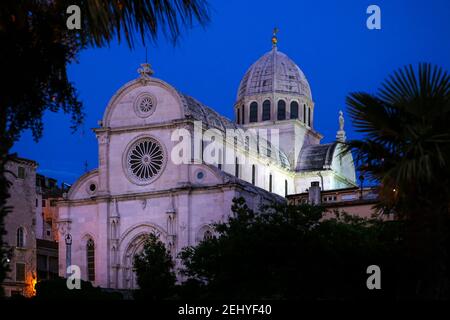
[[266, 110], [253, 112], [144, 160], [294, 110], [304, 113], [281, 111], [309, 117]]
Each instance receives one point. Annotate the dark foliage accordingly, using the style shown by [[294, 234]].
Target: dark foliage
[[406, 149], [291, 252], [154, 271]]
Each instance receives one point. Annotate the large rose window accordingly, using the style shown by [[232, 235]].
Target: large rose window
[[145, 159]]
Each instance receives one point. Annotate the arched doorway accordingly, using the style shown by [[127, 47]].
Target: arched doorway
[[132, 244]]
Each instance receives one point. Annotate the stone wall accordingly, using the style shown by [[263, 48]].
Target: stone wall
[[23, 255]]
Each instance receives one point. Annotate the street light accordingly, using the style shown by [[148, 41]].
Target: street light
[[68, 240]]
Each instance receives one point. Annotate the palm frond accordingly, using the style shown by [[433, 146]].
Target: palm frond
[[104, 20], [405, 127]]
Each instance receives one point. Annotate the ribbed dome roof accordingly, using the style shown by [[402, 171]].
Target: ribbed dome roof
[[274, 72], [200, 112], [316, 157]]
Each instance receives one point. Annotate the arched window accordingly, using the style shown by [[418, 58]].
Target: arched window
[[90, 259], [285, 187], [253, 112], [304, 113], [281, 114], [238, 116], [253, 174], [309, 117], [236, 168], [243, 114], [270, 183], [266, 110], [294, 110], [20, 238]]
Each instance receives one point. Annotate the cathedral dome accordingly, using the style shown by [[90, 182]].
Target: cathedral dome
[[274, 72]]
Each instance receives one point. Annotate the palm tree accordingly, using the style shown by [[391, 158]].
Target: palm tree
[[105, 19], [406, 149], [36, 47]]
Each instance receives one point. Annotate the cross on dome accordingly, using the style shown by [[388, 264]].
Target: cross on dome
[[274, 37]]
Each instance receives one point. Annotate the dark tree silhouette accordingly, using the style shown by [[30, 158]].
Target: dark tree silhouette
[[154, 271], [406, 149], [292, 252]]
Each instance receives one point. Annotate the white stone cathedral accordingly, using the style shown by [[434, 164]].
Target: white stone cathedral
[[138, 188]]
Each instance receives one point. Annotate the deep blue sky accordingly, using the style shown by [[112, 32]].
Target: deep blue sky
[[327, 39]]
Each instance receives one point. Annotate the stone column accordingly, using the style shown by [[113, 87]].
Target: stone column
[[183, 215], [64, 228], [103, 162], [114, 231], [102, 266]]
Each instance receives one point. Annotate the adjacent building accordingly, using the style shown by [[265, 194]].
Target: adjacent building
[[48, 193], [31, 229], [20, 227], [353, 200]]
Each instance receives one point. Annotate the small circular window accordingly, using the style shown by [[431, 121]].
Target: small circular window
[[145, 105], [145, 159], [92, 188], [200, 175]]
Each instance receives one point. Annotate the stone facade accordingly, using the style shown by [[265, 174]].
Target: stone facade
[[20, 227], [139, 187]]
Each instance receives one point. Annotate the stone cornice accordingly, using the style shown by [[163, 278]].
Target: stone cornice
[[154, 194], [159, 125]]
